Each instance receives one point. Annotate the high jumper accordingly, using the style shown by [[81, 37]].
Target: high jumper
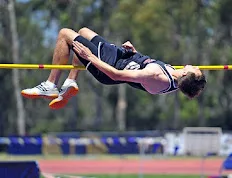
[[111, 64]]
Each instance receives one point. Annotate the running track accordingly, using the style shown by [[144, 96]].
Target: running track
[[127, 166]]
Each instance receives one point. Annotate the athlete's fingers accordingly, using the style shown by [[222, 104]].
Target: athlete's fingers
[[77, 49], [82, 50], [128, 47], [76, 44], [128, 44], [80, 46]]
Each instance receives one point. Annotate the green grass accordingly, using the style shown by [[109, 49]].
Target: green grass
[[135, 176]]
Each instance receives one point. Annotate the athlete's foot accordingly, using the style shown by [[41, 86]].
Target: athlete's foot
[[42, 90], [66, 92]]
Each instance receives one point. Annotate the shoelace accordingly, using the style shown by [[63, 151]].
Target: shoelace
[[42, 87], [63, 88]]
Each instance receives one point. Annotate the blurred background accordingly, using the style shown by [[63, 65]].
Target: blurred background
[[113, 119]]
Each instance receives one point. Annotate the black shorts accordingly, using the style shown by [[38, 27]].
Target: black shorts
[[105, 52], [92, 45]]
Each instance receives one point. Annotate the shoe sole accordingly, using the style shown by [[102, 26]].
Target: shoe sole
[[57, 104], [35, 96]]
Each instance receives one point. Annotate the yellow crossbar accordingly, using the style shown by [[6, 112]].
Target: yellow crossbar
[[68, 67]]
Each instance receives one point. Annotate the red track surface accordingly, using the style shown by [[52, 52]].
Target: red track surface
[[125, 166]]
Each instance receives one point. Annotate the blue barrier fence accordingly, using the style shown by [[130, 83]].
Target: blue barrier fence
[[114, 145]]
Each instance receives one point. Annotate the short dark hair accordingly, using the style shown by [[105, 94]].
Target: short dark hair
[[191, 85]]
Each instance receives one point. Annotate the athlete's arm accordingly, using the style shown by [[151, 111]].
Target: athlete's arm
[[138, 76]]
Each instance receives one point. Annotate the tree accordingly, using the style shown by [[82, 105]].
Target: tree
[[16, 74]]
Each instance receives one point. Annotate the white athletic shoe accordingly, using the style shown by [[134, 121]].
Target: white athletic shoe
[[66, 92], [42, 90]]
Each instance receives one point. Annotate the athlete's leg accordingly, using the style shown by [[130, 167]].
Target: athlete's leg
[[73, 74], [70, 88], [62, 53], [87, 33], [91, 36]]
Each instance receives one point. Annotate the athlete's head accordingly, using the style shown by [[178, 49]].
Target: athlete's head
[[192, 81]]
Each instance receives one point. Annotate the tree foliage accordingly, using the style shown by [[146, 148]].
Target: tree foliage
[[178, 32]]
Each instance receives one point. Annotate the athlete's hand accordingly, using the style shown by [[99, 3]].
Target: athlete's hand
[[128, 45], [82, 50]]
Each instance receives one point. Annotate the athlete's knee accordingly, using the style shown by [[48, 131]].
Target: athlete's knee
[[83, 30], [87, 33], [67, 34], [63, 32]]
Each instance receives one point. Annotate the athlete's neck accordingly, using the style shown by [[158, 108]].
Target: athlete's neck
[[176, 73]]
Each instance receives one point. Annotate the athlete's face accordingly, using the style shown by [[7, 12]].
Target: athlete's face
[[193, 69]]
